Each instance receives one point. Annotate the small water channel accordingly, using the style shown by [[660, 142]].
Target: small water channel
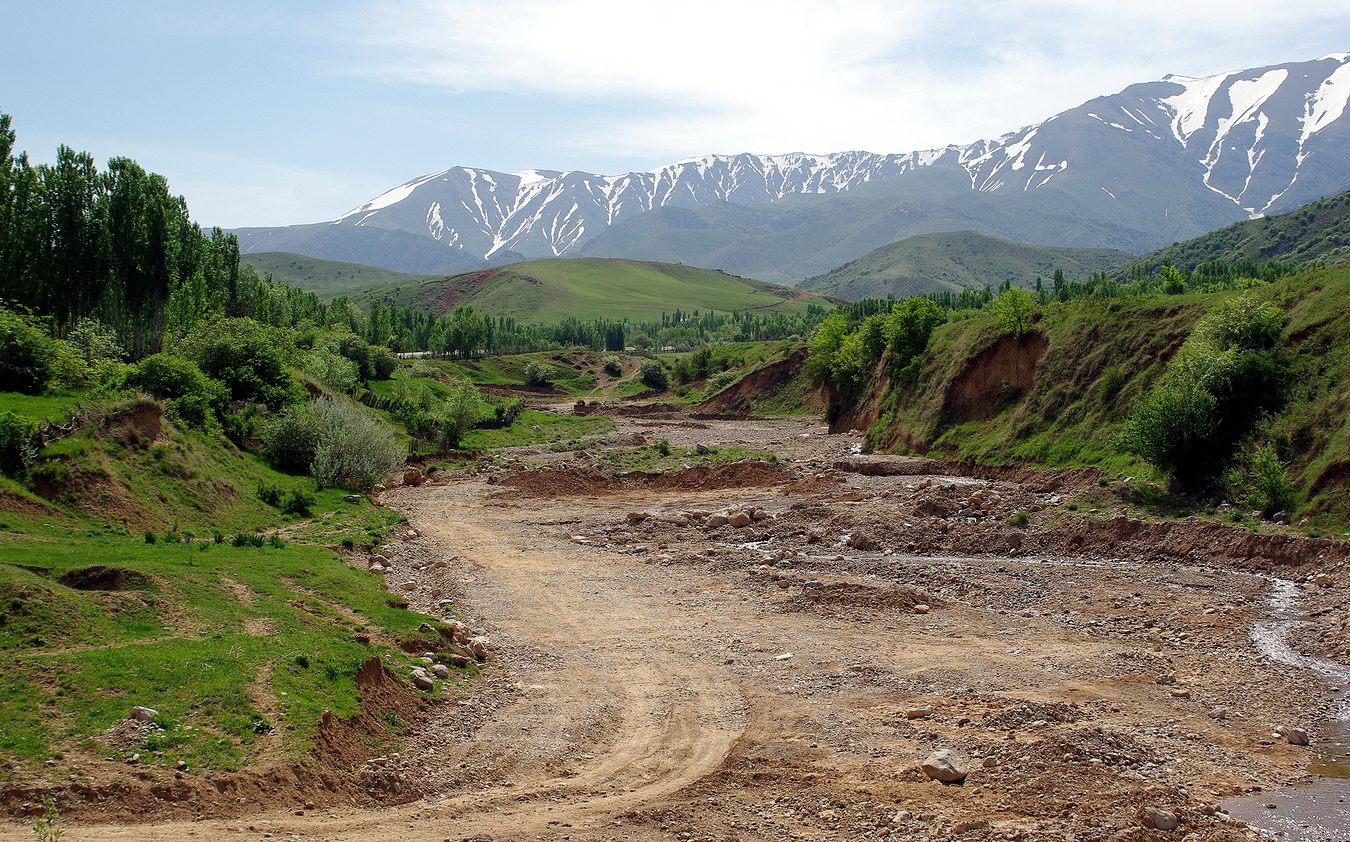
[[1317, 810]]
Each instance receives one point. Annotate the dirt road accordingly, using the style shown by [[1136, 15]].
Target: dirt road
[[670, 679]]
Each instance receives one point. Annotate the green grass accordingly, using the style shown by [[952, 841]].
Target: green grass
[[533, 427], [326, 278], [658, 457], [174, 634], [953, 261], [592, 288], [57, 408], [179, 639]]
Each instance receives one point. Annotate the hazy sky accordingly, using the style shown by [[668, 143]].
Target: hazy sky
[[271, 113]]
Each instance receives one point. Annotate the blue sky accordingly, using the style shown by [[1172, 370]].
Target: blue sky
[[271, 113]]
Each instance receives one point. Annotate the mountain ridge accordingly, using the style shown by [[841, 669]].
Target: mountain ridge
[[1234, 144]]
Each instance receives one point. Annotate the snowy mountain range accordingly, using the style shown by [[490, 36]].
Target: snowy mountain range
[[1157, 162]]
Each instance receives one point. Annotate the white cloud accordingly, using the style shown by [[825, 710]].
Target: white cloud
[[736, 75]]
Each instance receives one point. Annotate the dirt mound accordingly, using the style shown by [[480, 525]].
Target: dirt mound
[[1038, 480], [571, 481], [1020, 714], [878, 597], [383, 697]]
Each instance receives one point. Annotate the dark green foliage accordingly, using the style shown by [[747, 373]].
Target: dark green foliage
[[26, 353], [383, 363], [18, 443], [252, 360], [1230, 372], [193, 396], [654, 375], [291, 440], [613, 366]]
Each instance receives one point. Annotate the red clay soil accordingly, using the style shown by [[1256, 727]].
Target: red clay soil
[[738, 398], [992, 376], [570, 480]]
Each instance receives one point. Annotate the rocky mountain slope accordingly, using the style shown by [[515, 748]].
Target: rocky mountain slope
[[1154, 163]]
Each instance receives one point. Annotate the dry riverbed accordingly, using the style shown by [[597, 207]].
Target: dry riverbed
[[657, 673]]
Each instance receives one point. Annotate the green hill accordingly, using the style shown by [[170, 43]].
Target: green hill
[[325, 278], [591, 288], [954, 261], [1315, 233]]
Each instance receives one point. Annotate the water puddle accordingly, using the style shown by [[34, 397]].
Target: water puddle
[[1318, 810]]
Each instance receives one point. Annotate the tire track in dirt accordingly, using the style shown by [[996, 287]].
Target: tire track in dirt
[[619, 717]]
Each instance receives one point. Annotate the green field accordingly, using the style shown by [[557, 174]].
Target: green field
[[593, 288], [325, 278]]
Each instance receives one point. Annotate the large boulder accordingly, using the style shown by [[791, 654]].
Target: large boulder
[[943, 765], [739, 519], [413, 476]]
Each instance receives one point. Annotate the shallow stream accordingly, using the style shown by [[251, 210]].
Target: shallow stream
[[1319, 809]]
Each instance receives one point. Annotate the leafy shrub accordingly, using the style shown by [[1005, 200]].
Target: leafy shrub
[[909, 326], [654, 375], [1019, 519], [334, 371], [299, 502], [383, 363], [1261, 482], [26, 353], [613, 366], [291, 441], [1230, 372], [459, 413], [193, 397], [719, 381], [663, 447], [354, 448], [18, 443], [95, 342], [537, 374], [251, 359], [270, 494]]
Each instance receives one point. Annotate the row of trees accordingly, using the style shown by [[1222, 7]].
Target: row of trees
[[77, 241]]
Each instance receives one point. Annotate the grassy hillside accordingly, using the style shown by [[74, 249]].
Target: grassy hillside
[[1315, 233], [132, 573], [955, 261], [325, 278], [591, 288], [1092, 360]]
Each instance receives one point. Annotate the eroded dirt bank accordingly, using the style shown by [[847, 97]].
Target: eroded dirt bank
[[660, 675]]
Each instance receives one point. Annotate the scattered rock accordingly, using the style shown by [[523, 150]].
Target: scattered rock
[[352, 498], [142, 714], [739, 519], [478, 646], [943, 765], [918, 712], [1324, 580], [1158, 818], [413, 476], [440, 671], [637, 517], [1293, 736], [715, 521], [921, 608], [409, 585]]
